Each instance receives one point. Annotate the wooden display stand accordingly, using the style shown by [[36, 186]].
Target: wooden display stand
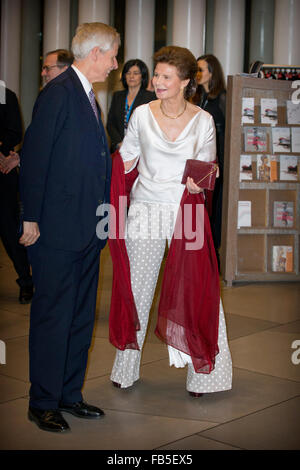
[[247, 252]]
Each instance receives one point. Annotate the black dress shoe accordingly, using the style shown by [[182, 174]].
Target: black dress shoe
[[82, 410], [48, 420], [26, 294]]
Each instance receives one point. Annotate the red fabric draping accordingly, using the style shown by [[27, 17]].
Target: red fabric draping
[[188, 316], [123, 318], [188, 312]]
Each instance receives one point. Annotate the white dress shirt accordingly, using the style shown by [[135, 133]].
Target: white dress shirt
[[84, 81]]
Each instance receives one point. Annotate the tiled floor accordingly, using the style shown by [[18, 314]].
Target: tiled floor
[[260, 412]]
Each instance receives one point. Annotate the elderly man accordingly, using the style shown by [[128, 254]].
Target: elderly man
[[65, 175], [55, 63]]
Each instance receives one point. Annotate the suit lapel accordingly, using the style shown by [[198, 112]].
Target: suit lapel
[[84, 101], [87, 109]]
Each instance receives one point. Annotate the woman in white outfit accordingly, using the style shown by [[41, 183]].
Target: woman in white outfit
[[161, 136]]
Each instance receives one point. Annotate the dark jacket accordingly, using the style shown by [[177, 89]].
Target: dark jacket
[[115, 120], [217, 108], [65, 165], [10, 123]]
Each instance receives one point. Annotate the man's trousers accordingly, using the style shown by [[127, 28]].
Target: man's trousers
[[61, 322]]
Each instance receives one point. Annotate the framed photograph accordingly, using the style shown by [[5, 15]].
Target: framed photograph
[[288, 168], [266, 167], [295, 139], [283, 214], [244, 214], [246, 168], [282, 258], [247, 110], [255, 139], [281, 139], [292, 112], [268, 111]]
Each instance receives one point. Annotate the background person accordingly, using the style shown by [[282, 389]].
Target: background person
[[135, 79], [211, 96], [55, 63], [10, 136]]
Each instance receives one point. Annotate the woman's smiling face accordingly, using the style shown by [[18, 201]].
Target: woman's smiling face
[[166, 81]]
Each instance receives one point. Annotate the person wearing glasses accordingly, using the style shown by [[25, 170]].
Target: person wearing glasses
[[135, 79], [55, 63]]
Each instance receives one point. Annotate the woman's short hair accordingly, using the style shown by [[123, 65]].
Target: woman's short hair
[[185, 63], [216, 83], [143, 69], [90, 35]]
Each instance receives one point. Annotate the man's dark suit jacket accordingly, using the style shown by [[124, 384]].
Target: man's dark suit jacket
[[65, 165], [115, 120]]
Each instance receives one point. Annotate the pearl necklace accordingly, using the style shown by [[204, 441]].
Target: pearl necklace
[[173, 117]]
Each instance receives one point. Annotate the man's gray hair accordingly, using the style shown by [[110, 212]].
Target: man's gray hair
[[90, 35]]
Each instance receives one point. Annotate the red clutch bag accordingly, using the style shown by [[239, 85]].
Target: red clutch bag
[[203, 173]]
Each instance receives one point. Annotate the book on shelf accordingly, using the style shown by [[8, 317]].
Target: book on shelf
[[266, 167], [282, 258], [268, 111], [245, 167], [283, 214], [247, 110], [289, 168], [281, 139], [295, 139], [244, 214], [292, 112], [255, 139]]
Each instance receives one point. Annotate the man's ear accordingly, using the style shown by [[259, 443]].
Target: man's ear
[[94, 53]]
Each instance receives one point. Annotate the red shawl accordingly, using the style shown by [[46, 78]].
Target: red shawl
[[188, 314], [123, 318]]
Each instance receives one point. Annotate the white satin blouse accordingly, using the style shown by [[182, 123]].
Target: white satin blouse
[[161, 162]]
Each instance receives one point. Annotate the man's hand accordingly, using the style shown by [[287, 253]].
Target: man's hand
[[31, 233], [8, 163]]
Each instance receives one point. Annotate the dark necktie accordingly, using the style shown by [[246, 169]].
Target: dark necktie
[[93, 104]]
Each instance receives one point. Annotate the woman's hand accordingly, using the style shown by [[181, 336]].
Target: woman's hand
[[192, 187], [8, 163], [128, 165]]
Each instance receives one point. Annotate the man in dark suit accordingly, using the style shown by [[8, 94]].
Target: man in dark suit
[[65, 176], [10, 136]]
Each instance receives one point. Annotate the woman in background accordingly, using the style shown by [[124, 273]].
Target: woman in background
[[211, 96], [135, 79]]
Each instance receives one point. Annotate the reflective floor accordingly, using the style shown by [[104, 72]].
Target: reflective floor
[[261, 411]]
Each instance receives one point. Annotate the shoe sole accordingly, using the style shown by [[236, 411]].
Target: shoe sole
[[34, 420], [81, 416]]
